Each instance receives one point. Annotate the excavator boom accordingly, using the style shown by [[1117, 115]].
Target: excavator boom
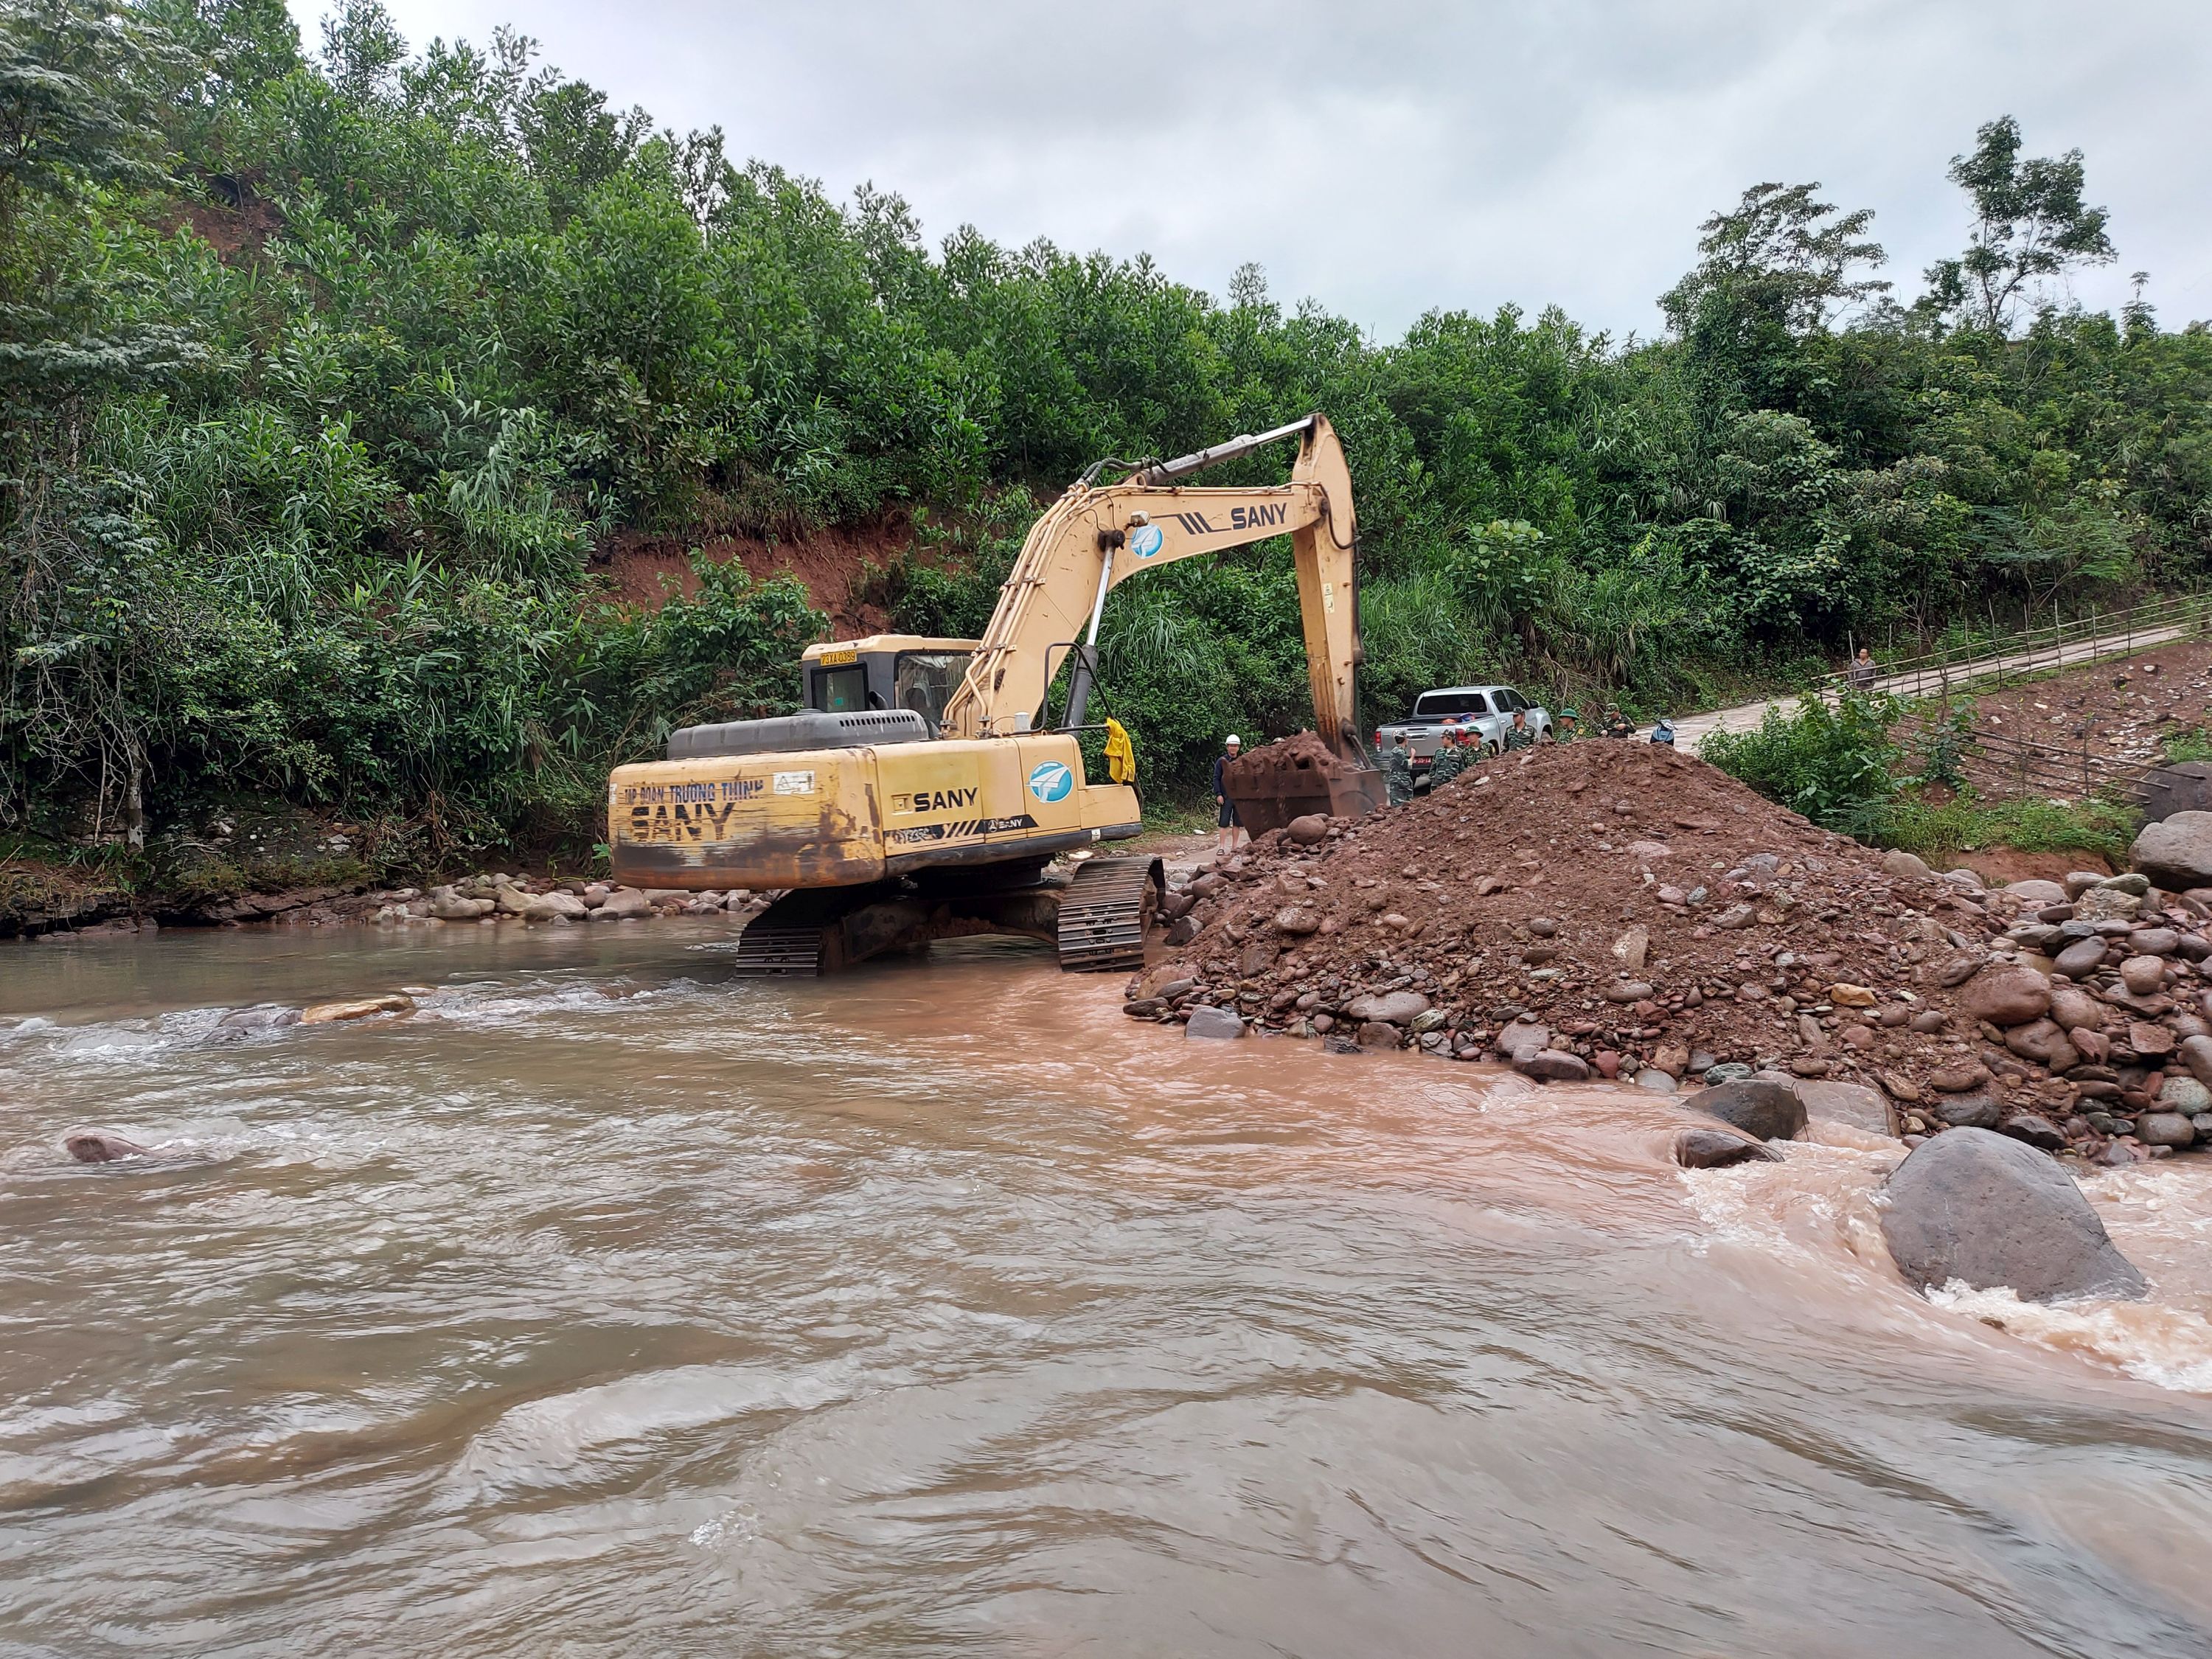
[[1096, 538]]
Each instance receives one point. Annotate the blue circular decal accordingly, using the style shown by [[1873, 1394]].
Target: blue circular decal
[[1051, 781], [1146, 540]]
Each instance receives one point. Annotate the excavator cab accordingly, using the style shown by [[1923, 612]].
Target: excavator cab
[[882, 671]]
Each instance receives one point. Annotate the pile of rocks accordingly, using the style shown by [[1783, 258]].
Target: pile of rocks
[[1616, 911], [499, 897]]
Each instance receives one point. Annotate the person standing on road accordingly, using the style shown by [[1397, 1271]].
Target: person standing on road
[[1225, 817], [1565, 729], [1862, 673], [1518, 735], [1398, 772]]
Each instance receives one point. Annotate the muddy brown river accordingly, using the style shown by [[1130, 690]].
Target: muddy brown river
[[610, 1306]]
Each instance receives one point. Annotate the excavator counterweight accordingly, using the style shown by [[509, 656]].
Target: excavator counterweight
[[918, 794]]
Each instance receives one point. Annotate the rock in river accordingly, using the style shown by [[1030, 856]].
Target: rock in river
[[1214, 1022], [328, 1014], [1972, 1206], [1770, 1110], [1716, 1149], [1554, 1066], [101, 1147]]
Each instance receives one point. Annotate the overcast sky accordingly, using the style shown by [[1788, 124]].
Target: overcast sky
[[1386, 157]]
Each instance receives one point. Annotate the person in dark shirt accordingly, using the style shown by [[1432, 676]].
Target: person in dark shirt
[[1225, 817], [1862, 673]]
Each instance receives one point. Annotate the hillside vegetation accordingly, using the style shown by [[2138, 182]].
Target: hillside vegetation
[[323, 376]]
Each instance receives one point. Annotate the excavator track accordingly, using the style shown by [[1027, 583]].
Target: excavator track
[[1104, 914], [767, 951]]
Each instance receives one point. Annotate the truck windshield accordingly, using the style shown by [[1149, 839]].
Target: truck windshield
[[1435, 705]]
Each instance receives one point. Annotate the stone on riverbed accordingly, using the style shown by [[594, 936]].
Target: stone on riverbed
[[1852, 1103], [1974, 1206], [101, 1147], [268, 1017], [1208, 1021], [1554, 1066], [329, 1013], [1772, 1111], [1716, 1149], [622, 904]]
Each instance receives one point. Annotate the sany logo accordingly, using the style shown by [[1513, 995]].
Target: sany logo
[[1051, 781], [1145, 540]]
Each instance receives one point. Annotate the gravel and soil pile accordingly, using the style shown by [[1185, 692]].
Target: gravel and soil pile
[[1290, 766], [1612, 909]]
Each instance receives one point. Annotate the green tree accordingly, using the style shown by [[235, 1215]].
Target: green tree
[[2030, 224]]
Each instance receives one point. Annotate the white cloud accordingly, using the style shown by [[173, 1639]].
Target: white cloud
[[1393, 156]]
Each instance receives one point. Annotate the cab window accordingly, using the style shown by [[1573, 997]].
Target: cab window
[[925, 681], [1435, 705], [838, 690]]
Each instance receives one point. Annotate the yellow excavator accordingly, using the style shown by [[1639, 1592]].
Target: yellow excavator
[[923, 788]]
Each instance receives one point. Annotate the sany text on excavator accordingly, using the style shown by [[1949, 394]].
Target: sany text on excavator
[[923, 790]]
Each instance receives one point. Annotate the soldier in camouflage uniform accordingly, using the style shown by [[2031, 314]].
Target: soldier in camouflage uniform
[[1398, 772], [1518, 735], [1453, 758], [1568, 727]]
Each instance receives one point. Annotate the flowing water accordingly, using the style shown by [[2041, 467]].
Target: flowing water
[[609, 1306]]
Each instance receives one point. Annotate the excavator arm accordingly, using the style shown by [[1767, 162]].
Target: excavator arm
[[1095, 537]]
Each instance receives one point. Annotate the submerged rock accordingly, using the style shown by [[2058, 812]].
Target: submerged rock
[[101, 1147], [1771, 1111], [1974, 1206], [329, 1013], [1213, 1023], [1716, 1149]]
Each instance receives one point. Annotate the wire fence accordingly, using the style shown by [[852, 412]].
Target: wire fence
[[2088, 637]]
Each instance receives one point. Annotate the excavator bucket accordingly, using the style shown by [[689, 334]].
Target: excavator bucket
[[1295, 778]]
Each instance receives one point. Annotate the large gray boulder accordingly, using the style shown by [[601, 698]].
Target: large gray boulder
[[2176, 852], [1772, 1111], [1206, 1022], [1990, 1212]]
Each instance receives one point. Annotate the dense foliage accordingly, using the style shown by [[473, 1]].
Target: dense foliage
[[321, 376]]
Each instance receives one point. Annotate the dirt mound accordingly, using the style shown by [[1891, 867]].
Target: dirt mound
[[1621, 909]]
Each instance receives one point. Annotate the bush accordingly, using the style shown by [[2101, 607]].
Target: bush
[[1832, 763]]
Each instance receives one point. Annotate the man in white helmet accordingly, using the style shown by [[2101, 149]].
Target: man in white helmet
[[1226, 813]]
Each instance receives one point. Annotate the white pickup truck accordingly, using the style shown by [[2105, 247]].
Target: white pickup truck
[[1486, 709]]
